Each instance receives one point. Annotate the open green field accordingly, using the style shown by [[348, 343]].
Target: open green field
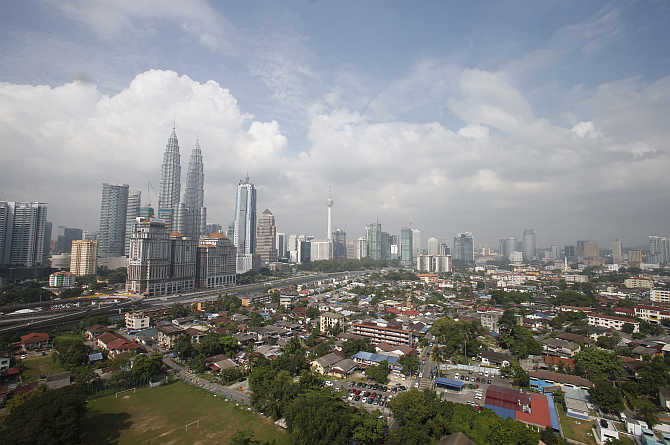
[[159, 416], [575, 429], [35, 367]]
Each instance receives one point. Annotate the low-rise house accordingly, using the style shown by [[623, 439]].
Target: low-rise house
[[343, 368], [540, 378], [220, 365], [121, 345], [396, 350], [168, 334], [104, 340], [492, 358], [323, 364], [365, 359], [605, 430], [559, 347], [35, 341], [643, 352], [577, 408], [575, 338], [93, 331]]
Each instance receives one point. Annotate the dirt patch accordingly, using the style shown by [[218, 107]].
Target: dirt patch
[[126, 397]]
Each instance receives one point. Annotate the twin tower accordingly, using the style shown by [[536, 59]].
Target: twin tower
[[187, 216]]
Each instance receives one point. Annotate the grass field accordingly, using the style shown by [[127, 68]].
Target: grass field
[[35, 367], [575, 429], [158, 416]]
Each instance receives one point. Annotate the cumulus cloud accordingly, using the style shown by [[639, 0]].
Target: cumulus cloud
[[65, 141]]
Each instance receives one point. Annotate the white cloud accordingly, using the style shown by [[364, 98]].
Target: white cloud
[[585, 129]]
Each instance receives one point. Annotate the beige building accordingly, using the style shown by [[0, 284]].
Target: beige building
[[83, 257], [136, 320], [660, 296], [328, 320], [637, 283], [634, 257], [266, 238]]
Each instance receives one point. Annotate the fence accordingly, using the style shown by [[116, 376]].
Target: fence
[[126, 381], [482, 369]]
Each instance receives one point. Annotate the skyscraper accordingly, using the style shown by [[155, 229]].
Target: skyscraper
[[22, 227], [406, 247], [132, 212], [83, 258], [330, 218], [112, 229], [65, 237], [464, 248], [373, 234], [529, 244], [266, 238], [506, 246], [416, 241], [340, 244], [433, 246], [617, 252], [245, 224], [170, 187], [361, 248], [194, 197], [281, 245]]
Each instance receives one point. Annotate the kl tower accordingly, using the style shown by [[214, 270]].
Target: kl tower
[[330, 218]]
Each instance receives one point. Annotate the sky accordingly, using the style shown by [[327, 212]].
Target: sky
[[487, 117]]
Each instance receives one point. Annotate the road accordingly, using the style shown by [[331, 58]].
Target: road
[[214, 388]]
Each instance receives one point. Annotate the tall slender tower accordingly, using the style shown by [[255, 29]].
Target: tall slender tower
[[330, 218], [194, 196], [245, 224], [113, 213], [170, 188]]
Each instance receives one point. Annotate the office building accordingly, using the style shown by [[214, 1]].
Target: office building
[[529, 244], [192, 212], [433, 246], [351, 249], [245, 224], [424, 263], [65, 237], [266, 238], [464, 248], [22, 233], [132, 213], [170, 186], [281, 245], [159, 262], [442, 264], [321, 250], [617, 252], [112, 228], [83, 257], [303, 251], [416, 242], [213, 228], [444, 249], [386, 246], [406, 247], [373, 235], [46, 250], [659, 250], [588, 252], [506, 246], [634, 258], [361, 248], [217, 261], [339, 244]]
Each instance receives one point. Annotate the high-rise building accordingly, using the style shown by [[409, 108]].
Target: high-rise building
[[214, 228], [160, 263], [443, 249], [281, 245], [617, 252], [506, 246], [170, 186], [320, 250], [416, 241], [588, 252], [386, 246], [65, 237], [83, 257], [194, 213], [433, 246], [132, 212], [659, 250], [351, 249], [373, 234], [406, 247], [361, 248], [303, 251], [395, 247], [339, 244], [46, 250], [245, 224], [529, 244], [266, 238], [217, 261], [112, 228], [330, 218], [22, 232], [464, 248]]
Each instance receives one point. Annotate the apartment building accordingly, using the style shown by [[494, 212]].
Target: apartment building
[[651, 314], [638, 283], [612, 322], [379, 332], [329, 320], [660, 295], [136, 320]]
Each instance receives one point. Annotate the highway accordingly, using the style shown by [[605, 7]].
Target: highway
[[42, 319]]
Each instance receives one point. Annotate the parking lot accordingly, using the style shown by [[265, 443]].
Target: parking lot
[[474, 389], [367, 395]]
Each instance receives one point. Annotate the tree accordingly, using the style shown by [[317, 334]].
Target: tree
[[351, 347], [628, 328], [312, 312], [51, 418], [379, 373], [177, 311], [608, 341], [146, 367], [409, 363], [183, 347], [71, 350], [517, 374], [243, 438], [597, 364], [607, 397]]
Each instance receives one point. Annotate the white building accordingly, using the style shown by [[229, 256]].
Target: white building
[[136, 320], [244, 237], [516, 257], [361, 248], [612, 322], [321, 250], [61, 279], [606, 430], [328, 320]]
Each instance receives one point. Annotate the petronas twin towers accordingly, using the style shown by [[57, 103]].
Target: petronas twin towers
[[187, 216]]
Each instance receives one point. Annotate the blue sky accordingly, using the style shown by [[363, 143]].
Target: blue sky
[[479, 116]]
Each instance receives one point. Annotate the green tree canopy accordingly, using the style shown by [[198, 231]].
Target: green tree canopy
[[379, 373], [598, 364]]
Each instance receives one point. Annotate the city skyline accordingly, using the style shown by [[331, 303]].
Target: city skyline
[[554, 123]]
